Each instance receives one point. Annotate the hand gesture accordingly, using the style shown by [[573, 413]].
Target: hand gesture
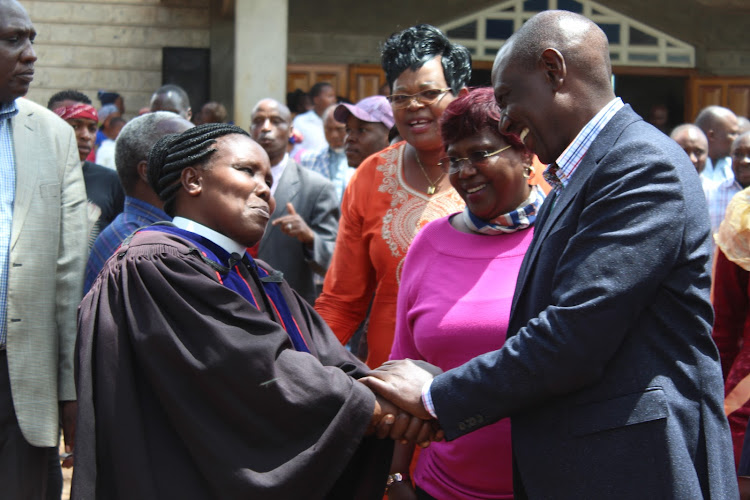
[[295, 226]]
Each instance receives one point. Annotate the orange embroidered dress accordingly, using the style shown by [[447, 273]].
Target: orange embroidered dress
[[380, 215]]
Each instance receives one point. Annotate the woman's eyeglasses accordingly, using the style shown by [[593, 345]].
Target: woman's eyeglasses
[[426, 97], [451, 165]]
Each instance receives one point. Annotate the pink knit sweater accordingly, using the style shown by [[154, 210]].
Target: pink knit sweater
[[454, 304]]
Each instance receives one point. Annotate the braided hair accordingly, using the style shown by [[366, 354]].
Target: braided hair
[[174, 152]]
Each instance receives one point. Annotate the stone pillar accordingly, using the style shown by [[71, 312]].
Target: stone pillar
[[260, 34], [222, 54]]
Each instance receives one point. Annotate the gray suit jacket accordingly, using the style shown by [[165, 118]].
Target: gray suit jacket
[[612, 381], [45, 279], [314, 198]]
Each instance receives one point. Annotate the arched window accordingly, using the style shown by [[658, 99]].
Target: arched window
[[631, 43]]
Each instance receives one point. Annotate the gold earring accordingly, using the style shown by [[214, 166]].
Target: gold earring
[[527, 170]]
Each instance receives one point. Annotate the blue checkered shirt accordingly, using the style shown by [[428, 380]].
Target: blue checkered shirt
[[331, 165], [7, 196], [137, 213]]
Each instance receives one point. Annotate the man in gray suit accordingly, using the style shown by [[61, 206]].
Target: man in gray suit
[[299, 240], [42, 255], [610, 377]]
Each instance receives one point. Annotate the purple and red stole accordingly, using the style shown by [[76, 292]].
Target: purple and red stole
[[227, 268]]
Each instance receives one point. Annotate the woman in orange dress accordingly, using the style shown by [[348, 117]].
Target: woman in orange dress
[[395, 192]]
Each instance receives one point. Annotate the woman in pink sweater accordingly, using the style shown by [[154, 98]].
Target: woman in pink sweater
[[456, 291]]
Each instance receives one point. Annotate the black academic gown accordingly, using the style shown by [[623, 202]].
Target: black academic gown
[[188, 391]]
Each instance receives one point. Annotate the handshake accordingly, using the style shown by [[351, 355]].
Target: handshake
[[399, 412]]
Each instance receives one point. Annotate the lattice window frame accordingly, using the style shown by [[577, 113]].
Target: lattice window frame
[[667, 52]]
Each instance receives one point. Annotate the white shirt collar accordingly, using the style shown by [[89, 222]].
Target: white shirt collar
[[227, 244], [276, 171]]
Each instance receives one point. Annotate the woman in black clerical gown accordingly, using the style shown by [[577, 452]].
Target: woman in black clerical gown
[[200, 373]]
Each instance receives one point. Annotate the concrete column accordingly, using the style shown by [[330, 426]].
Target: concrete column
[[260, 34]]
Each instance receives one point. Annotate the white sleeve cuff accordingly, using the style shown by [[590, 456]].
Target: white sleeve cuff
[[427, 399]]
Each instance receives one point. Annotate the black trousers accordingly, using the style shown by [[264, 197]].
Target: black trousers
[[54, 475], [24, 469]]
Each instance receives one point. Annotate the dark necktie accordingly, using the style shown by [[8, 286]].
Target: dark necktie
[[550, 175]]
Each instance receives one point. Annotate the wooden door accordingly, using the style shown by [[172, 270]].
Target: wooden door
[[365, 80], [730, 92], [304, 76]]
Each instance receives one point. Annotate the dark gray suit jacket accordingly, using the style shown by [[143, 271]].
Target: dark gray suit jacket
[[612, 381], [314, 198]]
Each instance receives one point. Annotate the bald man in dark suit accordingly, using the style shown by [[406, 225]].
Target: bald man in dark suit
[[611, 379]]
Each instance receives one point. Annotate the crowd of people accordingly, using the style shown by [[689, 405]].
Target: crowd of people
[[179, 294]]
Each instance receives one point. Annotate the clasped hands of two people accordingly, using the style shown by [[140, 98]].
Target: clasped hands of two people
[[399, 412]]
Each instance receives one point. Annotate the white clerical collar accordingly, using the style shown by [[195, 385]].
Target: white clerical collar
[[227, 244], [276, 172]]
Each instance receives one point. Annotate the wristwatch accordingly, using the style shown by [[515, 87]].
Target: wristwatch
[[394, 478]]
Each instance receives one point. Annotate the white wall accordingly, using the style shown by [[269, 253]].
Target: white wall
[[260, 54]]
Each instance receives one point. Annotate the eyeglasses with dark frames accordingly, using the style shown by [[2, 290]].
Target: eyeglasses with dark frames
[[425, 97], [451, 165]]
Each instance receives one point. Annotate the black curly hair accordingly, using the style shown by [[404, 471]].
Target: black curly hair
[[68, 95], [413, 47]]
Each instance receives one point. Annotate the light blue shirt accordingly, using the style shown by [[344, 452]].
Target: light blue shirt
[[7, 196], [718, 196], [720, 172], [310, 125]]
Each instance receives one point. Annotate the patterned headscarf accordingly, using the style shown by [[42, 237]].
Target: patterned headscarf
[[79, 110]]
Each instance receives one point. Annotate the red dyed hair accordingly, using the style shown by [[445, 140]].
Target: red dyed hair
[[470, 113]]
